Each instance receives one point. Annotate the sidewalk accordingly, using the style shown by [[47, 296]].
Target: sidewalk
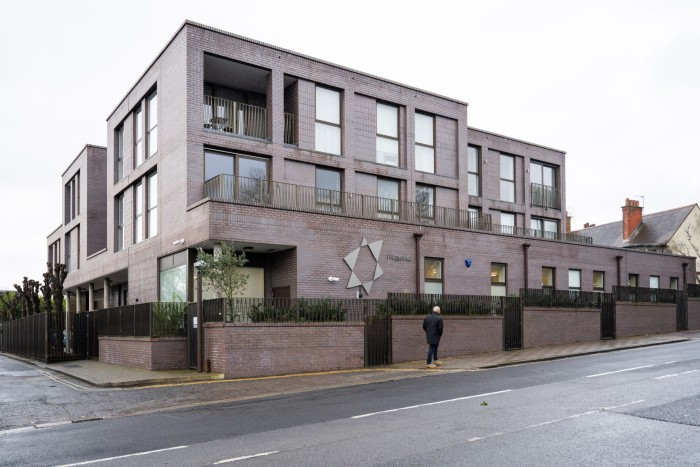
[[107, 375]]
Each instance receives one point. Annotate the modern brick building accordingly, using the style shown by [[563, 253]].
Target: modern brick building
[[332, 182]]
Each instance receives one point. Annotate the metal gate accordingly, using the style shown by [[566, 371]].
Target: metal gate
[[681, 312], [377, 336], [512, 323], [607, 317]]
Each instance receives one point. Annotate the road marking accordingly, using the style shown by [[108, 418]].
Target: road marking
[[619, 371], [590, 412], [676, 374], [242, 458], [16, 430], [432, 403], [50, 424], [471, 440], [107, 459], [65, 383], [623, 405], [689, 371]]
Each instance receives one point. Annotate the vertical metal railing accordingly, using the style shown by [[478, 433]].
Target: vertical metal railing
[[290, 134], [545, 196], [235, 117]]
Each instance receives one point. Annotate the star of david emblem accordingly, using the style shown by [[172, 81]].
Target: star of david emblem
[[351, 260]]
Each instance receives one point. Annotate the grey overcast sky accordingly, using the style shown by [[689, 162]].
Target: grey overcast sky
[[614, 83]]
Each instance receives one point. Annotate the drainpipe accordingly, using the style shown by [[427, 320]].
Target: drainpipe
[[685, 277], [417, 237], [526, 247]]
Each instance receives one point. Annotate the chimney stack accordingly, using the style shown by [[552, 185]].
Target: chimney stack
[[568, 223], [631, 217]]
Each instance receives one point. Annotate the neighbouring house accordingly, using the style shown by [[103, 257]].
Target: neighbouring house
[[674, 232]]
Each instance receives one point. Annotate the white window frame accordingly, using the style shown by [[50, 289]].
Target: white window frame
[[387, 134], [425, 142]]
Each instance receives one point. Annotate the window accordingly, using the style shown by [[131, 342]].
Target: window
[[327, 188], [138, 137], [119, 214], [327, 120], [432, 283], [473, 167], [220, 170], [152, 136], [387, 198], [152, 207], [599, 281], [425, 202], [387, 134], [474, 217], [173, 277], [69, 253], [548, 275], [633, 280], [653, 282], [425, 143], [119, 153], [543, 186], [575, 280], [546, 228], [673, 283], [72, 198], [507, 223], [507, 178], [498, 280], [138, 212], [542, 174]]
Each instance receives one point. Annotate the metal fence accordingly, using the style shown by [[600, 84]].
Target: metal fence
[[267, 193], [545, 196], [474, 305], [235, 117], [645, 295], [550, 298], [693, 290], [285, 310], [157, 319]]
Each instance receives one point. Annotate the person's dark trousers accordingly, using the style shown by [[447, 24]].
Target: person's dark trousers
[[432, 353]]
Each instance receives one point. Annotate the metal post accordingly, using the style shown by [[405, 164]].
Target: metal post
[[200, 325]]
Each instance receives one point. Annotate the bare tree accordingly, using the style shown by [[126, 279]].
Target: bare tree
[[46, 288]]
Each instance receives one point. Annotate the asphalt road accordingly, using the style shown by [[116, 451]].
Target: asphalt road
[[634, 407]]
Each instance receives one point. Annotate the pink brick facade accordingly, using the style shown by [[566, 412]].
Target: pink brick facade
[[638, 319], [463, 335], [145, 352], [244, 350], [552, 326]]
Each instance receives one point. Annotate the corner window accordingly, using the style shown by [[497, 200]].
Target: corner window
[[599, 281], [432, 283], [425, 202], [327, 127], [474, 167], [425, 143], [575, 280], [548, 275], [387, 134], [498, 280], [327, 188], [387, 198], [507, 178]]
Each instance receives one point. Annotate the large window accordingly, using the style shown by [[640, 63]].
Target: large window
[[138, 137], [498, 280], [546, 228], [173, 277], [387, 198], [72, 198], [240, 177], [425, 202], [542, 174], [575, 280], [507, 178], [119, 153], [327, 188], [432, 283], [387, 134], [152, 122], [152, 206], [599, 281], [548, 275], [474, 167], [138, 212], [543, 180], [508, 223], [119, 224], [425, 143], [328, 120]]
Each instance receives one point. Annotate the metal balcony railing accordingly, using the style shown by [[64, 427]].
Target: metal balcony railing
[[290, 134], [279, 195], [234, 117], [545, 196]]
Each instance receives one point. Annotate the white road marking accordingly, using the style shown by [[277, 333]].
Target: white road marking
[[432, 403], [689, 371], [107, 459], [65, 383], [676, 374], [471, 440], [590, 412], [619, 371], [225, 461], [623, 405]]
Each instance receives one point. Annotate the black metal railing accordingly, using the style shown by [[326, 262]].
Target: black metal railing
[[474, 305], [645, 295], [279, 195], [279, 310], [157, 319], [693, 290], [545, 196], [550, 298]]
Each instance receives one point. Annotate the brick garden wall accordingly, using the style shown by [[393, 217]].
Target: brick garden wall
[[462, 335], [542, 327], [244, 350], [693, 313], [145, 352], [637, 319]]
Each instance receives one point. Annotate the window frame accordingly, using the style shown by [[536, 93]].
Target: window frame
[[151, 125], [326, 198], [151, 200], [440, 271], [507, 181], [602, 275], [553, 273], [139, 137], [119, 153], [474, 173], [391, 203], [422, 207], [386, 137], [120, 232], [138, 211], [424, 145], [327, 123], [577, 272], [499, 284]]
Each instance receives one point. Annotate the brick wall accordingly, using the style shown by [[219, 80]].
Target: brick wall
[[145, 352], [462, 335], [637, 319], [542, 327], [245, 350], [693, 313]]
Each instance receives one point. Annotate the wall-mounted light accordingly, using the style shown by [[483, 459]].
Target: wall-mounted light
[[333, 279]]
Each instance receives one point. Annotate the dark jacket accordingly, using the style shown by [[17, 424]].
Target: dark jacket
[[432, 325]]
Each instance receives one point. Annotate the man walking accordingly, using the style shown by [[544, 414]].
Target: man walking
[[432, 325]]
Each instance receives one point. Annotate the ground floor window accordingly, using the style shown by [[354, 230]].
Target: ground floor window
[[432, 283], [173, 277], [599, 281], [548, 275], [498, 279], [575, 280]]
